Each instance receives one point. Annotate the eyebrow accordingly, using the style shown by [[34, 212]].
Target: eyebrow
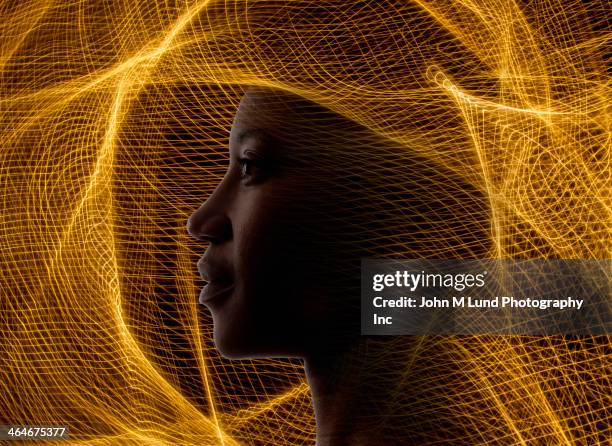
[[250, 133]]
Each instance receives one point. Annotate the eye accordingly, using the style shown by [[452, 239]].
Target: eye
[[251, 171]]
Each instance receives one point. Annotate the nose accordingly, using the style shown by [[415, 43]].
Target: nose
[[210, 223]]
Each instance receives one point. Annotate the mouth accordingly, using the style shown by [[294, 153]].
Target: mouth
[[215, 291], [220, 281]]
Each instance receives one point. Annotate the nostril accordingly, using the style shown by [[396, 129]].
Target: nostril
[[214, 229], [191, 227]]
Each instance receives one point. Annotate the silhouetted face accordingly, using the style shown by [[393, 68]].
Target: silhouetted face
[[307, 194], [267, 223]]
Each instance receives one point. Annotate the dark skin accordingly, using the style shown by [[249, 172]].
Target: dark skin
[[287, 226], [269, 225]]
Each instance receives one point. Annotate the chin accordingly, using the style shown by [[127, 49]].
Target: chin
[[232, 345], [236, 346], [231, 352], [248, 352]]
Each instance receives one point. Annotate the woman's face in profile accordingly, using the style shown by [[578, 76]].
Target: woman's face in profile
[[266, 290], [307, 194]]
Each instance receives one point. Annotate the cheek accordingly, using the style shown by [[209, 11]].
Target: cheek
[[269, 252], [288, 267]]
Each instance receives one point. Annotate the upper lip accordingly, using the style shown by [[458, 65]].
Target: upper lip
[[213, 271]]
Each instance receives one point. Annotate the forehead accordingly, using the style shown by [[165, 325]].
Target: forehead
[[269, 111], [291, 124]]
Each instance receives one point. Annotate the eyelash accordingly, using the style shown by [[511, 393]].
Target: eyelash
[[245, 164]]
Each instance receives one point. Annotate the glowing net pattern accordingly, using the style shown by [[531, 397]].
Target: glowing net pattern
[[115, 117]]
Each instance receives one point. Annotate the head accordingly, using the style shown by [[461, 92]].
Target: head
[[300, 204]]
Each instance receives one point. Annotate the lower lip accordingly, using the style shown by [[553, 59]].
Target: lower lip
[[215, 291]]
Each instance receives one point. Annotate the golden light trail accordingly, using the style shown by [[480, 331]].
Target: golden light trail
[[115, 116]]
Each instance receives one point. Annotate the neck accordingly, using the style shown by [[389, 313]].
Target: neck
[[388, 391], [341, 399]]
